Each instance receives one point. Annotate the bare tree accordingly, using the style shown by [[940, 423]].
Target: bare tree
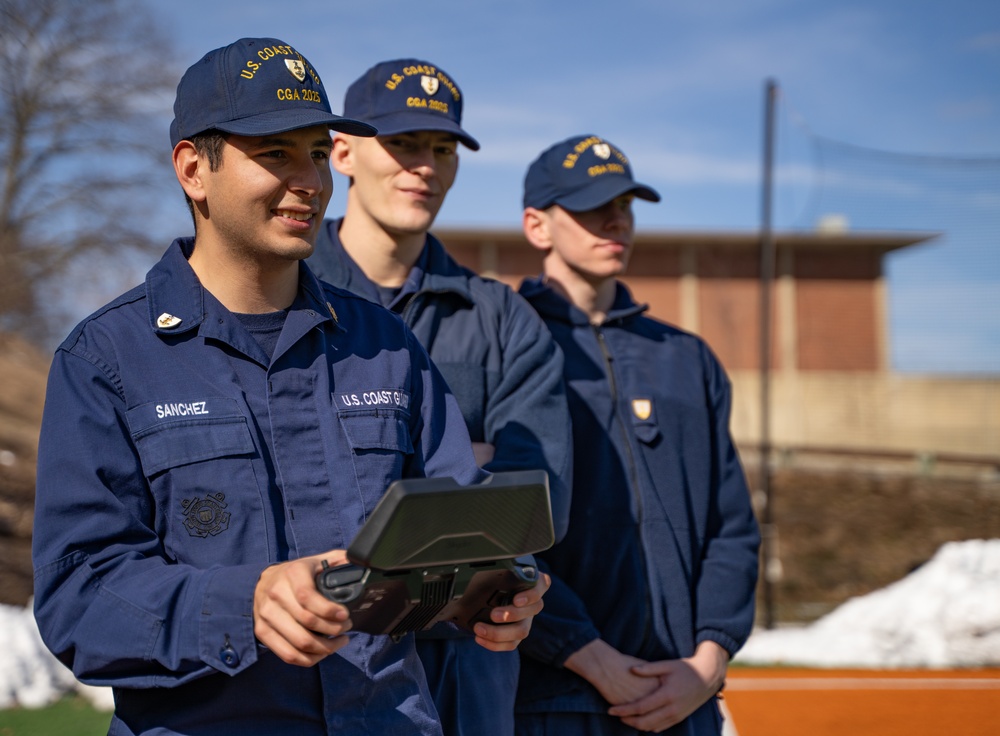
[[85, 88]]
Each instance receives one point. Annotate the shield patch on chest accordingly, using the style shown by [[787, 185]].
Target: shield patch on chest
[[642, 408]]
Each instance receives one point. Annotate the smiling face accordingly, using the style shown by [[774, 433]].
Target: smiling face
[[399, 182], [267, 198]]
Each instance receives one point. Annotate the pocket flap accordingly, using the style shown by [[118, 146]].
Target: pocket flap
[[377, 431], [170, 444]]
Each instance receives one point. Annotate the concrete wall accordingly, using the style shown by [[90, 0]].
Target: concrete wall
[[872, 412]]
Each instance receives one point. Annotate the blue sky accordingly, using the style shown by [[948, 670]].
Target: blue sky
[[679, 86]]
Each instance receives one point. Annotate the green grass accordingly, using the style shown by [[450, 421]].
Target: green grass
[[71, 716]]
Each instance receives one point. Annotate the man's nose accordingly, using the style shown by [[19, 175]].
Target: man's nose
[[423, 161], [307, 180]]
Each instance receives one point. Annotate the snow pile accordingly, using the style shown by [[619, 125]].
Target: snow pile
[[944, 614], [30, 676]]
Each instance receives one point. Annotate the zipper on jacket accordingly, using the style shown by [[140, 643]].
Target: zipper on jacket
[[632, 472]]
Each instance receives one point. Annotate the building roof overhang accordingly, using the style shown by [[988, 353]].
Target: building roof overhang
[[880, 240]]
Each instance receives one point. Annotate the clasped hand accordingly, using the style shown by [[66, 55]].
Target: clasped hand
[[651, 696]]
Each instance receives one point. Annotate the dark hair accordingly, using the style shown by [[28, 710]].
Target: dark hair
[[208, 144]]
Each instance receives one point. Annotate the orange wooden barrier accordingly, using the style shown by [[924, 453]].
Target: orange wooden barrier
[[820, 702]]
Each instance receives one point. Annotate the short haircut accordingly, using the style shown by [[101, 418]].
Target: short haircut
[[208, 144]]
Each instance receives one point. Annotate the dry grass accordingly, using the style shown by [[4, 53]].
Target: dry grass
[[23, 372]]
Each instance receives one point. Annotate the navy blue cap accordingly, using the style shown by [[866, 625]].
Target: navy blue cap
[[407, 95], [579, 174], [253, 87]]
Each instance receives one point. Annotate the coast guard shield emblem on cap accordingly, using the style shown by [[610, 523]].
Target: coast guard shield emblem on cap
[[297, 68]]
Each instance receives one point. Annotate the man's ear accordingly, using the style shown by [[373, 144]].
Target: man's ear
[[342, 156], [536, 228], [187, 166]]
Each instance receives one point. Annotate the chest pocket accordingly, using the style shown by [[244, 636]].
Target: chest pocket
[[380, 442], [209, 507], [175, 444]]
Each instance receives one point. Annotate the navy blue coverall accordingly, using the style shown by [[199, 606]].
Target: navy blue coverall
[[177, 461]]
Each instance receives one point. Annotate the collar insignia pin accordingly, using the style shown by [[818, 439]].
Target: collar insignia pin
[[167, 320]]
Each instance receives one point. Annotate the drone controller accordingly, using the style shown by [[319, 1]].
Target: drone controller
[[396, 602], [433, 550]]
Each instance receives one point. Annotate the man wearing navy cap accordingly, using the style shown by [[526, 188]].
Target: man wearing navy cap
[[653, 586], [491, 347], [203, 449]]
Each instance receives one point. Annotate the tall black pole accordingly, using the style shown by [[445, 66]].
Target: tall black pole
[[770, 564]]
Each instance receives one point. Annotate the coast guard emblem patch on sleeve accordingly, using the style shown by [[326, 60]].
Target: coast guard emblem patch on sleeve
[[206, 516], [642, 408]]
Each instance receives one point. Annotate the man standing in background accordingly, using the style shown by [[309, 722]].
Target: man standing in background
[[493, 350], [653, 585]]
